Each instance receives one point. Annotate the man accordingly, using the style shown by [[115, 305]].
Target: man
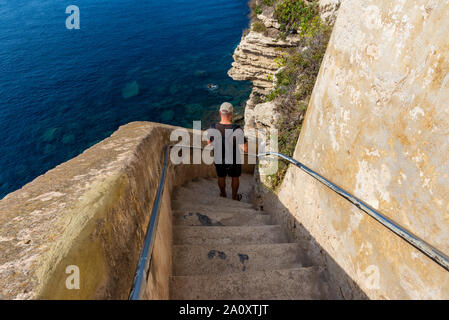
[[227, 138]]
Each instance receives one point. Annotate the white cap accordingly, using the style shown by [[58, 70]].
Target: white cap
[[226, 108]]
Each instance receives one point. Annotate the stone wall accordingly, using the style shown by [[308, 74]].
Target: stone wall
[[92, 212], [377, 125]]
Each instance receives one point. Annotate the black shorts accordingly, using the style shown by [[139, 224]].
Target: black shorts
[[231, 170]]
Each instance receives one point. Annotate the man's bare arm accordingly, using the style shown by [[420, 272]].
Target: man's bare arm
[[245, 147]]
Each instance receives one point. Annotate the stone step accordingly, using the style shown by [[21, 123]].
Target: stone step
[[246, 182], [225, 249], [286, 284], [191, 199], [206, 191], [221, 259], [211, 218], [206, 209], [228, 235]]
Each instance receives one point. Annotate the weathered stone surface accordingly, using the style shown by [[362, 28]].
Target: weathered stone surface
[[92, 212], [377, 125], [262, 117], [329, 10], [267, 17], [291, 284], [226, 249], [266, 115]]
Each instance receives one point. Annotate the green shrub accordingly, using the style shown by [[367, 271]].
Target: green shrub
[[258, 26], [281, 60], [293, 89], [257, 6], [295, 82], [300, 66], [298, 16], [275, 93], [268, 3]]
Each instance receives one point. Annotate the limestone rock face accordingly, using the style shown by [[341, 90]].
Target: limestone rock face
[[267, 17], [254, 59], [265, 114], [377, 125], [329, 9]]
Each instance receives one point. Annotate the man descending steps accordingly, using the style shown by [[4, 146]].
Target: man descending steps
[[225, 249], [229, 142]]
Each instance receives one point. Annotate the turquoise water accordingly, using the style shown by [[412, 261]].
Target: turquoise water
[[61, 91]]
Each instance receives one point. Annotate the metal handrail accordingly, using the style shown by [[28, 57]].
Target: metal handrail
[[418, 243], [143, 267]]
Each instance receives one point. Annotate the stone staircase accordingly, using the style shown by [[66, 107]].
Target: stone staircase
[[225, 249]]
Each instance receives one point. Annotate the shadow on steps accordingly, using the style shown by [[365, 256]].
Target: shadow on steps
[[341, 284]]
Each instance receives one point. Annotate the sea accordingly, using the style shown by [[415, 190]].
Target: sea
[[63, 90]]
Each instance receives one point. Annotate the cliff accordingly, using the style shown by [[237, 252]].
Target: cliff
[[281, 55], [254, 58], [255, 61], [377, 125], [260, 58]]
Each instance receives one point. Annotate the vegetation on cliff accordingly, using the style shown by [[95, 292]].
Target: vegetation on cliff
[[297, 16], [256, 6], [298, 68], [259, 26]]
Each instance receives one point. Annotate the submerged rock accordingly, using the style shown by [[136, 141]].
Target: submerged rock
[[131, 90], [200, 73], [229, 90], [68, 139], [167, 115], [194, 108], [50, 134], [49, 148]]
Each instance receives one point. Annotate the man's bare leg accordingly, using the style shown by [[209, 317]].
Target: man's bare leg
[[222, 186], [235, 188]]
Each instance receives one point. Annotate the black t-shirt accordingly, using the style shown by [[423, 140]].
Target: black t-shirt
[[228, 134]]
